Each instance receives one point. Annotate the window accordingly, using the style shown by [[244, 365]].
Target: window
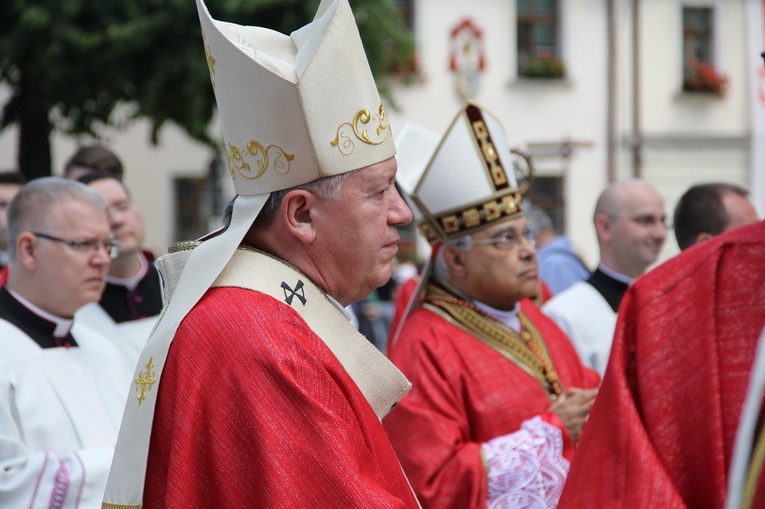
[[699, 73], [538, 45], [406, 10], [190, 216], [547, 194]]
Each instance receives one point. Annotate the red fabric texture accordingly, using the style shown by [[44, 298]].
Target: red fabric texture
[[662, 430], [464, 394], [255, 411]]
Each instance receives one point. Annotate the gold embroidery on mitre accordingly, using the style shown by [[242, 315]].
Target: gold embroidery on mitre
[[272, 156], [471, 217], [210, 59], [145, 380], [492, 211], [343, 140], [490, 155]]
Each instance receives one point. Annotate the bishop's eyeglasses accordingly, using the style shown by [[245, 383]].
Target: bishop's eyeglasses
[[84, 246], [506, 240]]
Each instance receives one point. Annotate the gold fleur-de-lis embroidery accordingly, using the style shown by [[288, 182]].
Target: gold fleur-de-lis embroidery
[[362, 118], [145, 380]]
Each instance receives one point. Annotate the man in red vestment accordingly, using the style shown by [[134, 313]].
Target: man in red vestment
[[662, 429], [254, 389], [499, 395]]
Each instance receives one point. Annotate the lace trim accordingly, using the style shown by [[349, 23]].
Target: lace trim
[[526, 469]]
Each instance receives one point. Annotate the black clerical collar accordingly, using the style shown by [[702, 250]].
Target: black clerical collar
[[33, 325], [610, 288]]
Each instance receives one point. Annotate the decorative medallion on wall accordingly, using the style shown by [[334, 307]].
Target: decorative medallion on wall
[[467, 59]]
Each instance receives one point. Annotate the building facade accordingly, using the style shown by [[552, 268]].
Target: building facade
[[672, 91]]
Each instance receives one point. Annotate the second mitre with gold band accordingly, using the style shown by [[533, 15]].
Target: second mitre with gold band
[[499, 393], [254, 389]]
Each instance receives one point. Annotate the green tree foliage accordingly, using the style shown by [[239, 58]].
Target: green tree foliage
[[70, 63]]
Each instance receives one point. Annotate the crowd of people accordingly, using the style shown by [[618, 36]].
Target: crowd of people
[[289, 359]]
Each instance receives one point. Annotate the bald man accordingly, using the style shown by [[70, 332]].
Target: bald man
[[630, 225]]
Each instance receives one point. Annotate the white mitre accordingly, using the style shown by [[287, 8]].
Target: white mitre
[[470, 181], [293, 109]]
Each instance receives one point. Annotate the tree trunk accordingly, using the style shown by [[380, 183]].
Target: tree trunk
[[34, 130]]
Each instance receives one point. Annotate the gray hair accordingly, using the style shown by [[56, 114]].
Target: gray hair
[[326, 187], [440, 269], [34, 205], [537, 219]]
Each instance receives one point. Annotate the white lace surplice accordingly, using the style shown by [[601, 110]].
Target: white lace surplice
[[526, 469]]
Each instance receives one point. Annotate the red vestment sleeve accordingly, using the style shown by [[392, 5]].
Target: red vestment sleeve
[[662, 429], [255, 411]]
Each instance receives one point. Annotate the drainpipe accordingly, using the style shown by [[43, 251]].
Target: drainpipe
[[612, 140], [637, 134]]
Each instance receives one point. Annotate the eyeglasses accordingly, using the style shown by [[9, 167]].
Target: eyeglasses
[[85, 246], [508, 240]]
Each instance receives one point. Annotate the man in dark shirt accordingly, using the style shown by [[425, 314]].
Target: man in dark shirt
[[132, 287], [630, 223]]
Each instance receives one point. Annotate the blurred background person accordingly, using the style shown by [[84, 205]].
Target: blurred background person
[[93, 158], [10, 183], [132, 298], [630, 223], [559, 264], [62, 386], [706, 210], [663, 427]]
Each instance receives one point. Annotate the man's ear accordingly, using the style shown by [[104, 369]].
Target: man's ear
[[702, 237], [454, 258], [297, 209], [26, 247], [603, 227]]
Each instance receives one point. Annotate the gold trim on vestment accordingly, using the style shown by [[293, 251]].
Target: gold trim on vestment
[[754, 471], [106, 505], [527, 350]]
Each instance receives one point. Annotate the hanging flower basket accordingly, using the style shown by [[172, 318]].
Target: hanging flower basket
[[705, 78]]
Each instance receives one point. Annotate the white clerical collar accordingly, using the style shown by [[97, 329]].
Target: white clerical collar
[[615, 275], [63, 325], [509, 318], [340, 308], [131, 282]]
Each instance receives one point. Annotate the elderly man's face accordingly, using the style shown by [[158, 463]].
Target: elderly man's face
[[356, 236], [501, 274], [73, 276]]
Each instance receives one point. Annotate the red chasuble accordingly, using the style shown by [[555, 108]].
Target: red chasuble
[[661, 432], [255, 411], [466, 393]]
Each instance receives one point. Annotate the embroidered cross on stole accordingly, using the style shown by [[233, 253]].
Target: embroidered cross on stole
[[526, 349]]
